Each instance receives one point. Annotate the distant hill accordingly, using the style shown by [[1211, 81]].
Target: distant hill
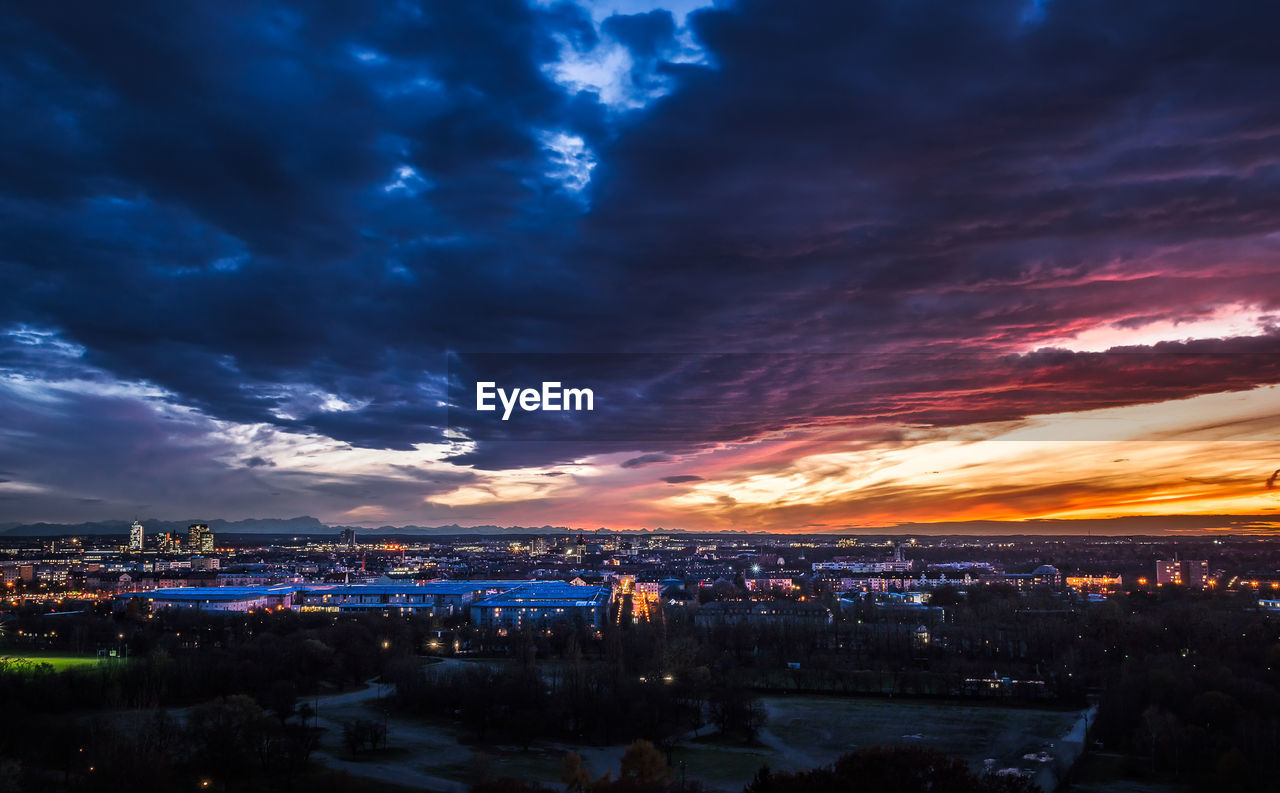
[[454, 528], [300, 525]]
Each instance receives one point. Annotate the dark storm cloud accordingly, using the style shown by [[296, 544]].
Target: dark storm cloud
[[292, 214], [645, 459], [645, 35], [650, 39], [80, 443], [247, 204]]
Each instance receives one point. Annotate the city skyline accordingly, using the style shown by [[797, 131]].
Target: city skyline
[[997, 268]]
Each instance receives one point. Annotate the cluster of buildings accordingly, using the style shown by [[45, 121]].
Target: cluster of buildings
[[507, 604], [199, 539], [503, 580], [1188, 573]]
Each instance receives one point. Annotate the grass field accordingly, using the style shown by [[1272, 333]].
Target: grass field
[[828, 727], [804, 732], [495, 763], [58, 661], [801, 732]]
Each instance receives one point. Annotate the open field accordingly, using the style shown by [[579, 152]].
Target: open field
[[824, 728], [801, 732], [805, 731]]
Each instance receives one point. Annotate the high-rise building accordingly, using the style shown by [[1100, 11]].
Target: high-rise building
[[576, 550], [1190, 572], [1168, 572], [135, 536], [1196, 573], [347, 537], [199, 538], [538, 546]]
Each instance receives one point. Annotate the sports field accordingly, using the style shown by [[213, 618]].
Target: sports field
[[58, 661]]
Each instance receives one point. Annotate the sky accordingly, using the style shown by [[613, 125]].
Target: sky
[[826, 266]]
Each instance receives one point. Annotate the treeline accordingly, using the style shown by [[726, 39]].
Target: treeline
[[227, 744], [239, 677], [902, 769], [193, 659], [582, 701], [1197, 696], [645, 769]]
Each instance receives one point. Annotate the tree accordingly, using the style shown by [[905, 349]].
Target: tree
[[644, 764], [361, 734], [901, 769], [735, 712], [226, 732], [281, 699], [575, 775]]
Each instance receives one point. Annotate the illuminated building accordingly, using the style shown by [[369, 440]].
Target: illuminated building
[[894, 566], [1196, 573], [771, 583], [1104, 583], [227, 598], [543, 603], [135, 536], [1168, 572], [436, 598], [199, 538], [1047, 575], [1174, 572]]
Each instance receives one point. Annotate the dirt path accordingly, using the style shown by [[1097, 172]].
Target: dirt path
[[426, 746]]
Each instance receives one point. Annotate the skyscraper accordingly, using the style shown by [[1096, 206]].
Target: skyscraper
[[135, 536]]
